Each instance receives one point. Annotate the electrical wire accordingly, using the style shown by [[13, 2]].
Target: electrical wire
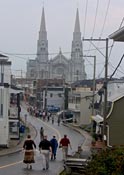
[[117, 66]]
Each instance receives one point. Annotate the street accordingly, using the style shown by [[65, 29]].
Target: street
[[13, 165]]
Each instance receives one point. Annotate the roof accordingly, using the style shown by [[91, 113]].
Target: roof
[[116, 95], [118, 35], [3, 56]]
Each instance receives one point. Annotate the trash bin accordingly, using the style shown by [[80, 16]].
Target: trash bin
[[22, 129]]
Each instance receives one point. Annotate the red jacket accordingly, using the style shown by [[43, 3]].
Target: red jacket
[[64, 142]]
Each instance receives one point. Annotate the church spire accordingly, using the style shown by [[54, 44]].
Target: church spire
[[78, 67], [77, 23], [77, 33], [43, 32], [43, 24]]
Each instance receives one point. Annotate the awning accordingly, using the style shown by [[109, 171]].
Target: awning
[[97, 118], [118, 35], [15, 91]]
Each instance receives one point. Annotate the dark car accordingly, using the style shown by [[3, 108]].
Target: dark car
[[53, 109], [66, 116]]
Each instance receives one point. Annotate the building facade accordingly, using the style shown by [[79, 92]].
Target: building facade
[[42, 67], [5, 72]]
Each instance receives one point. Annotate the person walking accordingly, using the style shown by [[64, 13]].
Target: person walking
[[41, 133], [64, 143], [45, 147], [54, 144], [58, 121], [29, 146], [52, 119]]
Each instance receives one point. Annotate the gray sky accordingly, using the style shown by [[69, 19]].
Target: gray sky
[[20, 24]]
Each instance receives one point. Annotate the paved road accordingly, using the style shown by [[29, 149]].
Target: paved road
[[12, 164]]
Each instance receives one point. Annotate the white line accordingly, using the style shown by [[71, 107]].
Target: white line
[[11, 164]]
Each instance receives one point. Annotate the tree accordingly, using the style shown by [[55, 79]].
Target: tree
[[107, 162]]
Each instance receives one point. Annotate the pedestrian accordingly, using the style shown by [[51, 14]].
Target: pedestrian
[[48, 116], [25, 119], [54, 144], [52, 119], [64, 143], [44, 115], [58, 121], [29, 146], [41, 133], [45, 148]]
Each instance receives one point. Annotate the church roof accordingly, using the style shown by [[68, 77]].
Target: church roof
[[60, 58]]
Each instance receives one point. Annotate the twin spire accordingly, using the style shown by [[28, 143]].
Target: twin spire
[[43, 23]]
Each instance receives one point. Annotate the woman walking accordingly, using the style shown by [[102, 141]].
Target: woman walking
[[29, 146]]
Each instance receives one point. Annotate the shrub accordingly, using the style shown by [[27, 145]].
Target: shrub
[[107, 162]]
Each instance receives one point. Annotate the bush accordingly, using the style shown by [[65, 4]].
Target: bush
[[107, 162]]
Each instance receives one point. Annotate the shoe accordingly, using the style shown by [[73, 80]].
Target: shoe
[[43, 168], [27, 166], [47, 168], [30, 167]]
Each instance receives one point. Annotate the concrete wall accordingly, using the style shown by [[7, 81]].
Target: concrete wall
[[85, 112]]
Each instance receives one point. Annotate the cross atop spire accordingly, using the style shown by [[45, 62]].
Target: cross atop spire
[[77, 23]]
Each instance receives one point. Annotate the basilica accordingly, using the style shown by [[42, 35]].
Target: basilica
[[59, 67]]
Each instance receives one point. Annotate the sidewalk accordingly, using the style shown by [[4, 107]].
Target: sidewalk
[[86, 146], [16, 145]]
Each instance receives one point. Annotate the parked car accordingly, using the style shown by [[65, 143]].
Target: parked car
[[53, 109], [66, 115]]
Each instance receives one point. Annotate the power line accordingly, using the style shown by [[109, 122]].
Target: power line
[[117, 66]]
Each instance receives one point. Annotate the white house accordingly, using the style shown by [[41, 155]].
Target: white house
[[5, 79]]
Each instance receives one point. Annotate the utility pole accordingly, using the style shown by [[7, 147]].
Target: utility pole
[[63, 77], [94, 87], [105, 83], [94, 78]]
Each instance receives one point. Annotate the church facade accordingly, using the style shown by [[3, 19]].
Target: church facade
[[59, 67]]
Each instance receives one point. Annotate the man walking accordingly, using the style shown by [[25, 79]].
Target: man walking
[[54, 144], [64, 143], [41, 133], [45, 147]]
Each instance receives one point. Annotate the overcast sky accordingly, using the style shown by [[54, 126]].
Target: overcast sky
[[20, 24]]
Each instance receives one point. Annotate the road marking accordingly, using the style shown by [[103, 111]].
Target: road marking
[[11, 164]]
